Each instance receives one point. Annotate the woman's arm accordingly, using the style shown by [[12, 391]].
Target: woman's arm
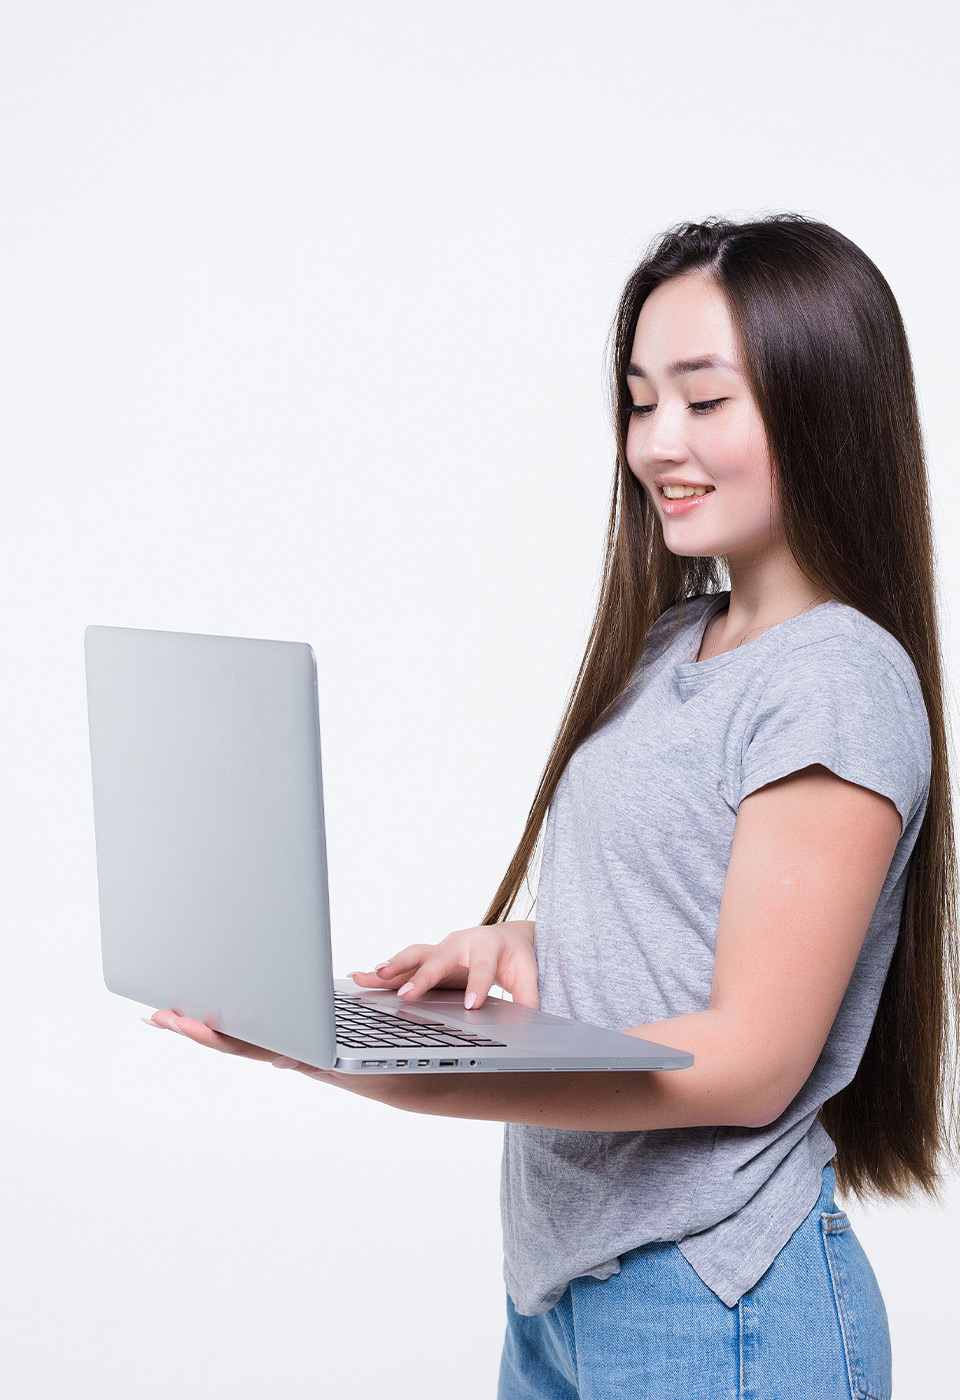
[[809, 857]]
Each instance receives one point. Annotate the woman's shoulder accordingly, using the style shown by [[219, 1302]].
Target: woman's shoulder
[[686, 612], [693, 606], [838, 635], [677, 622], [841, 692]]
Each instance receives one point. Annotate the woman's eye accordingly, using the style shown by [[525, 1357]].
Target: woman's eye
[[707, 405], [640, 410]]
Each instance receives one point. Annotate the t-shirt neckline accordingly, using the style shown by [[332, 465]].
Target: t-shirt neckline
[[689, 666]]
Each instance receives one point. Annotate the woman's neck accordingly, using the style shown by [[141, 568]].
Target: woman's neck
[[763, 592]]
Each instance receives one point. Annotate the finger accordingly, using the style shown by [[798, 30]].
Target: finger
[[213, 1040], [479, 981], [400, 970], [324, 1076], [165, 1020], [395, 970], [434, 971], [287, 1062], [379, 982]]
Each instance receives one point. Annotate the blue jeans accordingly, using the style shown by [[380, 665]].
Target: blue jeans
[[813, 1328]]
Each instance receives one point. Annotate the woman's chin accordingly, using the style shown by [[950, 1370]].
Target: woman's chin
[[688, 544], [685, 540]]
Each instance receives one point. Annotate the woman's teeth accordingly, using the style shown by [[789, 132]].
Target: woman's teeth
[[676, 493]]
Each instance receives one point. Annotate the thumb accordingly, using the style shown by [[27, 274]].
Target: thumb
[[522, 984]]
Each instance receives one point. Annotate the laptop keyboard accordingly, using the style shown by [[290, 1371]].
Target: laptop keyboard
[[361, 1026]]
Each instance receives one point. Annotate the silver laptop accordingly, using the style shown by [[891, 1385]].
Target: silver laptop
[[211, 861]]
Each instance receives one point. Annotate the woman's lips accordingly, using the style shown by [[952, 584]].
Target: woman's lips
[[685, 505]]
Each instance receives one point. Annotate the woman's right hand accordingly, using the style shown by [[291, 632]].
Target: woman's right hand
[[473, 958]]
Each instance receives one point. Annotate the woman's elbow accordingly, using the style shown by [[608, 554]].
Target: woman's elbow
[[770, 1103], [764, 1117], [756, 1102]]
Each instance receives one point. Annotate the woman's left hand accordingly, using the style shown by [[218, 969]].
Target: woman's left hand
[[412, 1092], [216, 1040]]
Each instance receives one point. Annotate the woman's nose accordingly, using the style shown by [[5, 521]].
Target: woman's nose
[[663, 440]]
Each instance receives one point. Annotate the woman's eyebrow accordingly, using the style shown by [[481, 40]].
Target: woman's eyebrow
[[686, 366]]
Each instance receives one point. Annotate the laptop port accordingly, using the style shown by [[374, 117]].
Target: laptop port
[[374, 1064], [446, 1063], [422, 1064], [402, 1064]]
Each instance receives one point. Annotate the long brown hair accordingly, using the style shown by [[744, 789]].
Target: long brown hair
[[826, 356]]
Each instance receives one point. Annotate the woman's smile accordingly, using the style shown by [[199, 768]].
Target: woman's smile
[[679, 497], [684, 503]]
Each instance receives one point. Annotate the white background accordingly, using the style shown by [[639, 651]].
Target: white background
[[302, 327]]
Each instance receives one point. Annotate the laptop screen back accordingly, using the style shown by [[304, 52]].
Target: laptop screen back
[[211, 854]]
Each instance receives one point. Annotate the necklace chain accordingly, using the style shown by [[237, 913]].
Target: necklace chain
[[765, 625]]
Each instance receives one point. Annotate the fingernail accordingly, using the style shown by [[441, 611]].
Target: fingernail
[[172, 1025], [407, 987], [354, 974], [470, 1000], [284, 1062], [380, 966], [149, 1021]]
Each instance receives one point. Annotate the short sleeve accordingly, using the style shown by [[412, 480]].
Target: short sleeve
[[842, 703]]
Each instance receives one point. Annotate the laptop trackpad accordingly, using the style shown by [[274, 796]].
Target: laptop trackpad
[[494, 1011]]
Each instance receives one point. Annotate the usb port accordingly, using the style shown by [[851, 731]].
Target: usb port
[[444, 1063], [374, 1064]]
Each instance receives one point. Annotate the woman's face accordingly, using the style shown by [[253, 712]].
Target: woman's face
[[695, 424]]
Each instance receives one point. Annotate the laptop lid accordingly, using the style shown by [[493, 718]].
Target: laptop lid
[[211, 853]]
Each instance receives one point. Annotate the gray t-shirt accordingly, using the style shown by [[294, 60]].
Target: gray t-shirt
[[635, 854]]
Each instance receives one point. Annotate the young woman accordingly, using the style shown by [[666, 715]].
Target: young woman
[[747, 853]]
